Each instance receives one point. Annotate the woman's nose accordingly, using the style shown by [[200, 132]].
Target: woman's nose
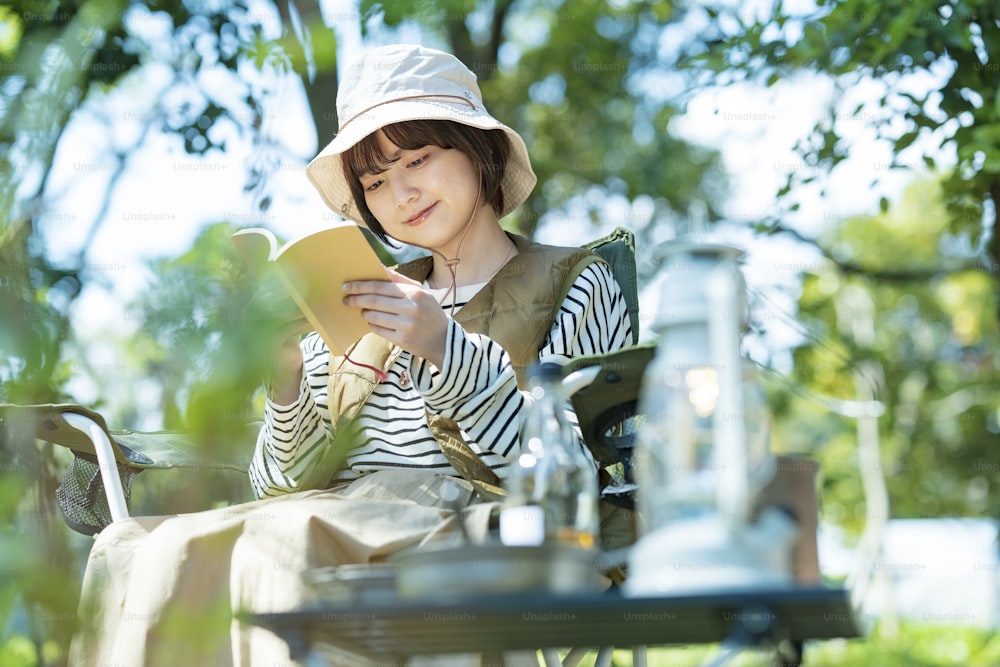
[[404, 190]]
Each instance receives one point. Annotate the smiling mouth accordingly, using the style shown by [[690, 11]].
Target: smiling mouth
[[420, 216]]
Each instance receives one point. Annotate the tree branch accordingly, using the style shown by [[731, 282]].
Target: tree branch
[[501, 9], [321, 89], [885, 275]]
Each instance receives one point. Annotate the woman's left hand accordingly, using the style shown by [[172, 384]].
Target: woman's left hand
[[402, 312]]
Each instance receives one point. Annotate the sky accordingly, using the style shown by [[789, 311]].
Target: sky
[[164, 196]]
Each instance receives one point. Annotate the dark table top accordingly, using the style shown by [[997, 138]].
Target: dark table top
[[444, 624]]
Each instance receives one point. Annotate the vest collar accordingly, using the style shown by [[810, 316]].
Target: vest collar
[[420, 268]]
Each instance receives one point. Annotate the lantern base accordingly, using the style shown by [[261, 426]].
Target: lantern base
[[708, 554]]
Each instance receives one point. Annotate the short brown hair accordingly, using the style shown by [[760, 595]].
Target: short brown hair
[[487, 149]]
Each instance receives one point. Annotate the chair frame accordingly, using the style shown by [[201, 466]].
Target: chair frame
[[106, 460]]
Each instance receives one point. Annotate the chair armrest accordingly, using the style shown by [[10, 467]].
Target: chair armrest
[[48, 422], [106, 461], [135, 449]]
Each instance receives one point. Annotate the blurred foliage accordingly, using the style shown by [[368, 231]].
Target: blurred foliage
[[932, 346], [907, 297], [191, 334], [39, 572], [952, 103], [59, 60]]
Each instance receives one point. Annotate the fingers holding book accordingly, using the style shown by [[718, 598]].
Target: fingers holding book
[[402, 312]]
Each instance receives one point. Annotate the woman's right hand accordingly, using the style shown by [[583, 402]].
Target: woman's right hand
[[281, 325], [286, 365]]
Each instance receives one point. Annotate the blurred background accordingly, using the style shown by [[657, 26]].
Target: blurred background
[[851, 147]]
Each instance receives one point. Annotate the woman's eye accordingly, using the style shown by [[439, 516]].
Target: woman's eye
[[371, 187], [419, 161]]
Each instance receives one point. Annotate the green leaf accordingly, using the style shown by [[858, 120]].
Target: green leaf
[[905, 140]]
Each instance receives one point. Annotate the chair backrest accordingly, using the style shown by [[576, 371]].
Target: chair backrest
[[606, 409], [618, 250]]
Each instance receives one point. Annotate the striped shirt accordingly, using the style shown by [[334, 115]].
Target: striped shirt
[[476, 387]]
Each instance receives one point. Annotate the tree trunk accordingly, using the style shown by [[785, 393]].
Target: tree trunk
[[317, 45]]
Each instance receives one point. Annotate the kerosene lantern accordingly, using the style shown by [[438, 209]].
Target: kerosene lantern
[[703, 452]]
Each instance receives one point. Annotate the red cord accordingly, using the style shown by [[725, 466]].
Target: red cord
[[382, 377]]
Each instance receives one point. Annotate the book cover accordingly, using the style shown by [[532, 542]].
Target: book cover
[[312, 268]]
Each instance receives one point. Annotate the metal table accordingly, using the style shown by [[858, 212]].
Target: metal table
[[390, 631]]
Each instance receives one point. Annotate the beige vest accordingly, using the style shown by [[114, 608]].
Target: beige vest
[[516, 308]]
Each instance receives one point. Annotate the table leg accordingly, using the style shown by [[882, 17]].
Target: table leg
[[788, 654], [551, 657], [574, 657], [604, 656]]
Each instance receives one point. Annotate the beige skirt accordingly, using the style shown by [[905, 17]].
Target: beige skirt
[[162, 590]]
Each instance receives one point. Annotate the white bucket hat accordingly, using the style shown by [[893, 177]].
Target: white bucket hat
[[402, 82]]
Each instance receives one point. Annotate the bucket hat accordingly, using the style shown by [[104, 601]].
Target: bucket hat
[[390, 84]]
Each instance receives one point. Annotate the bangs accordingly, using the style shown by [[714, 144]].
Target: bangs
[[366, 157]]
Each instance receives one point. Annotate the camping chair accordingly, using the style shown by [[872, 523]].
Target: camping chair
[[96, 487]]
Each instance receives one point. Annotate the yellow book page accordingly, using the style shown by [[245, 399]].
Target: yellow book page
[[313, 268]]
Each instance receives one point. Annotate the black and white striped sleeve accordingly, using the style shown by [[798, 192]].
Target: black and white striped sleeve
[[593, 318]]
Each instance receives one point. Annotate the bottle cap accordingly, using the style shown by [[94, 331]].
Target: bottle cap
[[548, 371]]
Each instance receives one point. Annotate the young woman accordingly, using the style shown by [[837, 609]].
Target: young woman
[[419, 160], [356, 450]]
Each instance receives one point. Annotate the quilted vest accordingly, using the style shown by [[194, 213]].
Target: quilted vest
[[516, 308]]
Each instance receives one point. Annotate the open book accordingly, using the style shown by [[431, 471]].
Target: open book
[[312, 268]]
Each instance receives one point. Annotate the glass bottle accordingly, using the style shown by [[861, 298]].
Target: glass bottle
[[552, 488]]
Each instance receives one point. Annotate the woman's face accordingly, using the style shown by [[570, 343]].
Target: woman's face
[[426, 196]]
